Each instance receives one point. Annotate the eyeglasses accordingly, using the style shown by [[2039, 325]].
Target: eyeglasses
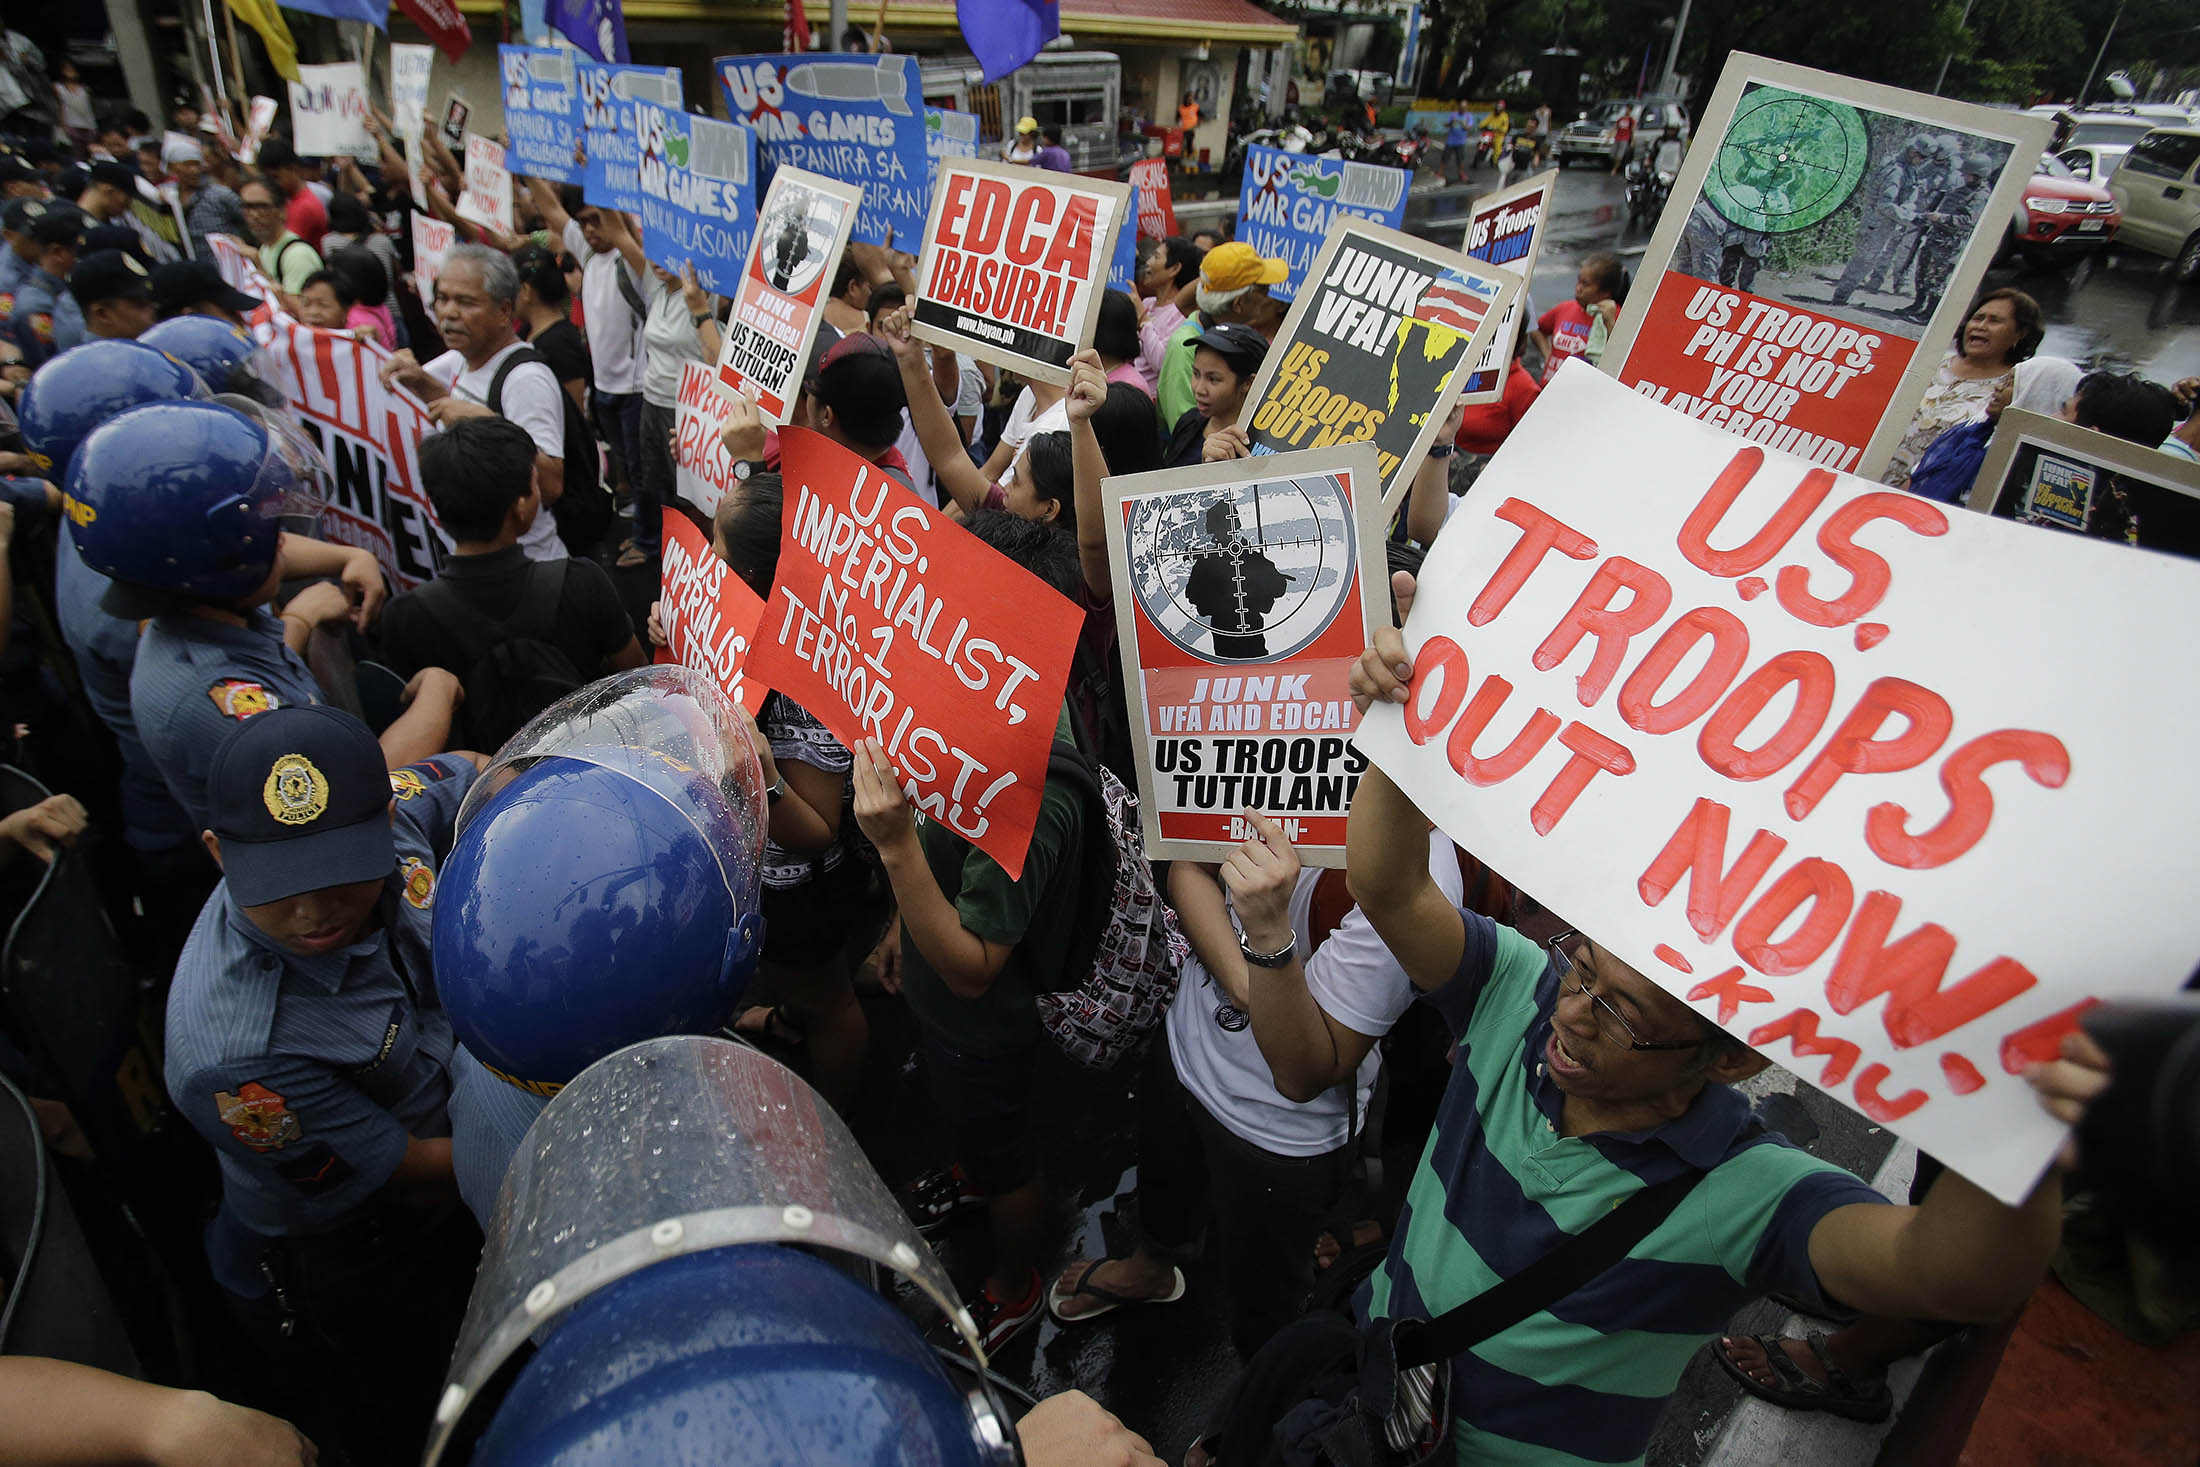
[[1604, 1007]]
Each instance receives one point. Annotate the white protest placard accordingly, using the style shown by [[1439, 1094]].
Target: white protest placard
[[410, 66], [488, 196], [2044, 471], [1015, 262], [432, 240], [262, 118], [702, 472], [328, 112], [794, 254], [1806, 752], [1506, 228]]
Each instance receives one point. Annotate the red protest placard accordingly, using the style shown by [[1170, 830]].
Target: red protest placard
[[1015, 262], [800, 233], [1156, 210], [708, 613], [890, 622]]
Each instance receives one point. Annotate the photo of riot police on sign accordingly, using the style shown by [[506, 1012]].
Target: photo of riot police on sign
[[1812, 201], [1244, 572]]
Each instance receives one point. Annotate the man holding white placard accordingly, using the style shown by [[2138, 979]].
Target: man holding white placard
[[1581, 1084]]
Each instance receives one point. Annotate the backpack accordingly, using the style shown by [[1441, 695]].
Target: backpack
[[513, 669], [1126, 948], [583, 512]]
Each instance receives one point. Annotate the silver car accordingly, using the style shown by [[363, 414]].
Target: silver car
[[1595, 135]]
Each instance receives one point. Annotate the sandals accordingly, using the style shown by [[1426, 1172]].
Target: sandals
[[1331, 1244], [1110, 1300], [1837, 1394]]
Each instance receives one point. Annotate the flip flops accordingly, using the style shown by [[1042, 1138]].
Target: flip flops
[[1110, 1300]]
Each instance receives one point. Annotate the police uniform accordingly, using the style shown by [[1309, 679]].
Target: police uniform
[[311, 1074], [194, 679], [47, 320], [489, 1118], [14, 270]]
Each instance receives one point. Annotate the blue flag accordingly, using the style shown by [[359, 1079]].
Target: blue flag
[[542, 111], [697, 182], [856, 118], [598, 27], [608, 134], [1004, 34], [374, 12], [1288, 200]]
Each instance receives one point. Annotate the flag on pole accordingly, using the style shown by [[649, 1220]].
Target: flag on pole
[[1004, 34], [443, 24], [797, 30], [262, 16], [598, 27]]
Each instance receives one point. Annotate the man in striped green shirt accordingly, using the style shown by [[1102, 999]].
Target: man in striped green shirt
[[1579, 1081]]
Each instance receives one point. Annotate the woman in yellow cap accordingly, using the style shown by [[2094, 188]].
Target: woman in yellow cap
[[1024, 147]]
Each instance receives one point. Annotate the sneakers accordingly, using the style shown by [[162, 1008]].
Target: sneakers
[[999, 1322], [935, 1199]]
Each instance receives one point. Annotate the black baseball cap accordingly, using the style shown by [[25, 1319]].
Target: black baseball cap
[[1241, 346], [15, 170], [300, 797], [181, 284], [861, 382], [63, 224], [113, 237], [121, 175], [21, 214], [106, 275]]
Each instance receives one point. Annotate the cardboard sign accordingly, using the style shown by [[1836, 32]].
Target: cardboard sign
[[891, 622], [792, 259], [608, 136], [488, 196], [370, 434], [1015, 261], [1375, 347], [328, 112], [948, 134], [432, 240], [855, 118], [455, 113], [410, 67], [1506, 228], [1289, 201], [256, 125], [697, 179], [2044, 471], [708, 613], [1156, 211], [1798, 748], [542, 111], [1813, 213], [1244, 594], [702, 473]]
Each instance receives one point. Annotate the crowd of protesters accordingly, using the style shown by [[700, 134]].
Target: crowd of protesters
[[1532, 1075]]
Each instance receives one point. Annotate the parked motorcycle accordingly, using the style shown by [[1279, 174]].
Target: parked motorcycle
[[1647, 191]]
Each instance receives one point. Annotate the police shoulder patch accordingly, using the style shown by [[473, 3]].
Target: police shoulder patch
[[241, 698], [258, 1117], [419, 879], [42, 326]]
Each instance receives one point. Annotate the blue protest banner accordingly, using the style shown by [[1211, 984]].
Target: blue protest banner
[[1289, 200], [859, 119], [542, 108], [697, 180], [1123, 269], [608, 134]]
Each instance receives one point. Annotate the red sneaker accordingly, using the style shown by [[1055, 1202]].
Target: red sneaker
[[1000, 1321]]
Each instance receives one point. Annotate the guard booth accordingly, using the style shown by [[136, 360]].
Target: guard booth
[[1078, 91]]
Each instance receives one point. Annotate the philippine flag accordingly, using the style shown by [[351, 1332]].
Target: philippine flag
[[1004, 34]]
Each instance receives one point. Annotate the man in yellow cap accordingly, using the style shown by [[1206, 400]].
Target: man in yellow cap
[[1233, 287], [1024, 147]]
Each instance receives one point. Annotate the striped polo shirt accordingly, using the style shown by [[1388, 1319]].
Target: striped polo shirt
[[1498, 1187]]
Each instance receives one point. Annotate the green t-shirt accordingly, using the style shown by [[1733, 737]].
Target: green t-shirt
[[1033, 914], [290, 262], [1173, 393]]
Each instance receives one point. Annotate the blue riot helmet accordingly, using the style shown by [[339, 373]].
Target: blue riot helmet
[[637, 1300], [603, 886], [187, 499], [225, 356], [89, 384]]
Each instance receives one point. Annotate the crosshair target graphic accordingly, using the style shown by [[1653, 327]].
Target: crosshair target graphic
[[1788, 160], [1243, 571]]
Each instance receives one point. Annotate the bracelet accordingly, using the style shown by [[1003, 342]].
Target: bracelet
[[778, 788], [697, 318], [1443, 450], [1280, 958]]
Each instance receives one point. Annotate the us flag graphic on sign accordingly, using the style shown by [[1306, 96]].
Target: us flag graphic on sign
[[1456, 302]]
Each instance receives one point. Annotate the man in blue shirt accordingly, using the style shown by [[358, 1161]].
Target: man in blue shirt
[[306, 1043], [18, 251], [1456, 156], [46, 320]]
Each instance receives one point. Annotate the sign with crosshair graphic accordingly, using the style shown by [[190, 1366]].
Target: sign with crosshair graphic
[[1244, 592]]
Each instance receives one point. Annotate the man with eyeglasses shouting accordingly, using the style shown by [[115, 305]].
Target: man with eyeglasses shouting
[[1580, 1082]]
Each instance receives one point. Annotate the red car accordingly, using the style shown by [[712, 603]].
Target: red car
[[2061, 217]]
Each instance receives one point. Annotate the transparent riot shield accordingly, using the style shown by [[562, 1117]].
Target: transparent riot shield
[[667, 1147]]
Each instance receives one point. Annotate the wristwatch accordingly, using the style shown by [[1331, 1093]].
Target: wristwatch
[[1443, 450], [749, 468], [1280, 958], [697, 318]]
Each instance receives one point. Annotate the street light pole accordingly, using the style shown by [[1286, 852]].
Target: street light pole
[[1942, 79], [2095, 69], [1673, 52]]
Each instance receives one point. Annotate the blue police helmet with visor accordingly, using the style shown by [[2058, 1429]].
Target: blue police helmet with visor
[[225, 356], [603, 886]]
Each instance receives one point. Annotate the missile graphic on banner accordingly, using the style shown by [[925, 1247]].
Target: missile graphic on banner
[[852, 81]]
